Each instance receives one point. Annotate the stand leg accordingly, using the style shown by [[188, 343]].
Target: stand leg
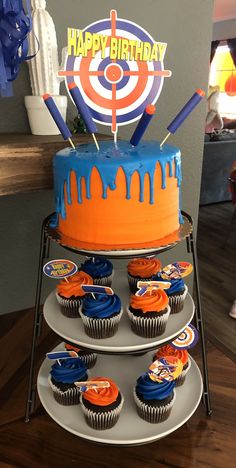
[[200, 326], [37, 322]]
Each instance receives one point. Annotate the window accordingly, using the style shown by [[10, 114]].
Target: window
[[223, 74]]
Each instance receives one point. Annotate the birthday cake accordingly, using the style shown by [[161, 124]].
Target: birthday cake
[[117, 196]]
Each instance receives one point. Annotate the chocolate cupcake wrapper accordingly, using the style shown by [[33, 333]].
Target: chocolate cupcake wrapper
[[177, 302], [68, 397], [148, 327], [104, 420], [89, 360], [69, 307], [153, 414], [101, 328], [180, 380], [105, 281]]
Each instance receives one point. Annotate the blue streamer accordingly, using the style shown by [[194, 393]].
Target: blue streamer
[[15, 25]]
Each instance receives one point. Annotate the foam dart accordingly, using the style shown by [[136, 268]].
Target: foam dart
[[62, 355], [83, 110], [142, 125], [183, 114], [95, 289], [58, 119], [92, 384]]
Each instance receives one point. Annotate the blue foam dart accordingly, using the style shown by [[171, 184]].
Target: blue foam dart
[[83, 110], [57, 117], [183, 114], [142, 125]]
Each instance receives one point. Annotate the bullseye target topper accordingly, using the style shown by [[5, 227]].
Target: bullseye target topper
[[118, 68]]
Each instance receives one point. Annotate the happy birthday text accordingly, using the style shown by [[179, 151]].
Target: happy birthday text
[[82, 43]]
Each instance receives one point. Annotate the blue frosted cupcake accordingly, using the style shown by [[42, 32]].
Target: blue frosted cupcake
[[100, 269], [62, 378], [154, 400], [101, 316], [176, 294]]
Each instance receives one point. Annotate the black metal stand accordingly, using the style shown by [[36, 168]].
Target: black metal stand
[[44, 253]]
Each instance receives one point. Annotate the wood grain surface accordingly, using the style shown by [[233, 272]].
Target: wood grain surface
[[202, 442], [26, 160], [217, 274]]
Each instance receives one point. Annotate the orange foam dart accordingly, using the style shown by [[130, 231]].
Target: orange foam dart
[[142, 125]]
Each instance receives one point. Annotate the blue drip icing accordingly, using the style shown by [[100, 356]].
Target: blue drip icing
[[107, 161]]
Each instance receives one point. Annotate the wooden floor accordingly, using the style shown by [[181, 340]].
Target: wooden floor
[[217, 269], [203, 442]]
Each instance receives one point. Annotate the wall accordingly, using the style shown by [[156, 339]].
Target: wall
[[224, 29], [186, 27]]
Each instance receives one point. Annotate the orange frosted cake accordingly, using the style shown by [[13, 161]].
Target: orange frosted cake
[[118, 196]]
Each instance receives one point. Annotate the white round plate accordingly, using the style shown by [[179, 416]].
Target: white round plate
[[130, 428], [125, 340]]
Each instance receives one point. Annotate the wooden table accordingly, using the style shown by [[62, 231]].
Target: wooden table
[[26, 160]]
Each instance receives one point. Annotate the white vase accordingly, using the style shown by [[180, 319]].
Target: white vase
[[40, 119]]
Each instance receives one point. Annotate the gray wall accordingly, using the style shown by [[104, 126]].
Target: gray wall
[[224, 29], [186, 27]]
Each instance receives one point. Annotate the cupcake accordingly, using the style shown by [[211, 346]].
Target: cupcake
[[62, 378], [181, 354], [87, 357], [149, 313], [144, 269], [154, 400], [101, 315], [69, 293], [102, 407], [177, 293], [99, 269]]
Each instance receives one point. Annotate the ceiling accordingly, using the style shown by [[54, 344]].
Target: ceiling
[[224, 10]]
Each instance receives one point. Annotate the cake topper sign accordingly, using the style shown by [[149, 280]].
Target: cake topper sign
[[58, 269], [118, 68]]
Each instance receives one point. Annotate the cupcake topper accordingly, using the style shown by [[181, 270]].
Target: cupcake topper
[[58, 269], [176, 270], [165, 369], [148, 286], [96, 289], [187, 339], [92, 385], [62, 355]]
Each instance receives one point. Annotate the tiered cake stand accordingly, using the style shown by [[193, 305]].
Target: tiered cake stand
[[123, 357]]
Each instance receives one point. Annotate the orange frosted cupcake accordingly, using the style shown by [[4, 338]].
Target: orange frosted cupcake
[[181, 354], [102, 406], [144, 269], [69, 293], [149, 313]]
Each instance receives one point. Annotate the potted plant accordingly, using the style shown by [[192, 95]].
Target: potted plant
[[43, 70]]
